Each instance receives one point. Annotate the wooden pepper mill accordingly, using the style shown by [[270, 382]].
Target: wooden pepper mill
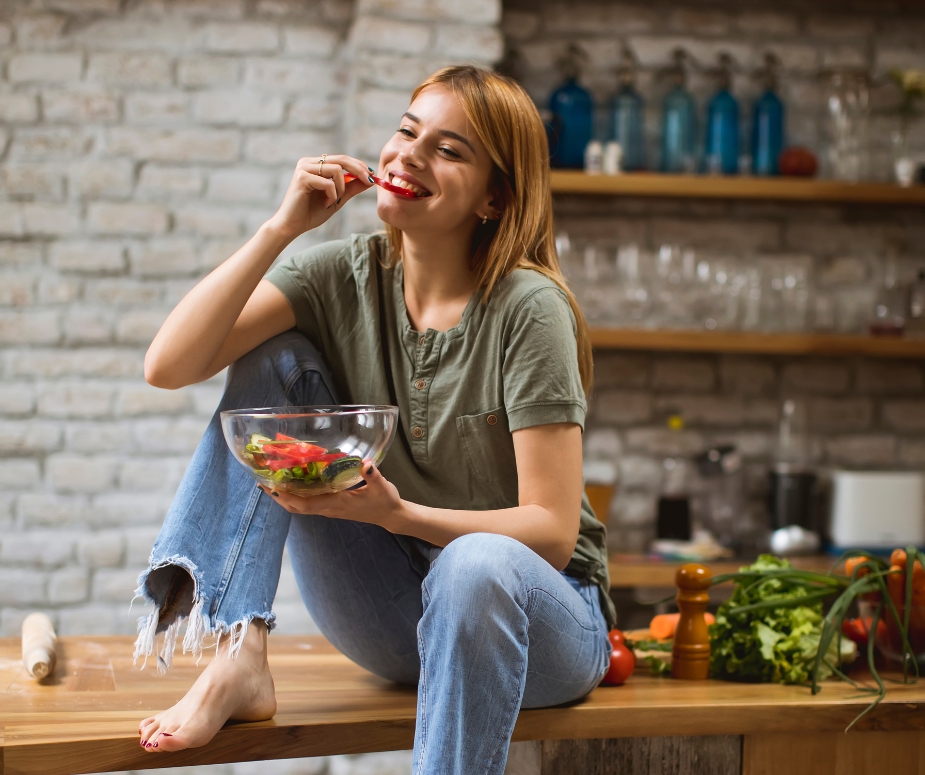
[[690, 655]]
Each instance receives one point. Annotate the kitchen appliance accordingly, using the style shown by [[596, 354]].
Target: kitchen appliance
[[878, 509]]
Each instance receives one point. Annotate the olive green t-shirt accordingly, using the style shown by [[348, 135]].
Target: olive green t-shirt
[[510, 363]]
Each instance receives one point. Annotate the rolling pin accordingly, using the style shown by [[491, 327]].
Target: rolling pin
[[38, 645]]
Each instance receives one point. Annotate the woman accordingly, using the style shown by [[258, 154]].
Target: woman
[[470, 565]]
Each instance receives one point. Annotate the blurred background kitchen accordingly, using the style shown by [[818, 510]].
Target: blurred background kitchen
[[756, 332]]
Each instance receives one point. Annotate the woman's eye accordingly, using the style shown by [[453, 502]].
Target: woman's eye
[[405, 131], [449, 152]]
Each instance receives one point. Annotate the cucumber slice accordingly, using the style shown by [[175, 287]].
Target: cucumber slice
[[349, 465]]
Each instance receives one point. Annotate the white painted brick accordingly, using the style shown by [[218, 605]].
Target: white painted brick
[[20, 254], [138, 544], [242, 38], [98, 178], [206, 398], [114, 585], [839, 26], [11, 620], [378, 34], [796, 57], [283, 147], [126, 218], [139, 327], [40, 510], [519, 25], [147, 400], [29, 327], [208, 71], [84, 6], [844, 55], [162, 181], [696, 21], [25, 437], [6, 34], [96, 257], [390, 71], [102, 549], [163, 435], [118, 509], [316, 42], [633, 508], [294, 619], [293, 75], [241, 185], [239, 108], [12, 223], [88, 362], [42, 31], [145, 474], [157, 108], [16, 398], [662, 441], [17, 289], [51, 143], [68, 585], [114, 436], [52, 288], [903, 58], [22, 587], [315, 112], [41, 180], [45, 68], [861, 450], [217, 9], [18, 108], [40, 548], [598, 18], [91, 619], [138, 33], [218, 251], [89, 474], [207, 221], [80, 106], [128, 69], [41, 218], [122, 292], [163, 258], [19, 474], [75, 399], [767, 23], [182, 145], [471, 12], [654, 52], [469, 43], [88, 325]]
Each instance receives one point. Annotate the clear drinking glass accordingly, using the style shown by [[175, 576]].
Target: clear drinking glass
[[847, 124]]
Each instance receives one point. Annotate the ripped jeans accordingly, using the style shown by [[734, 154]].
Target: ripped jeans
[[483, 627]]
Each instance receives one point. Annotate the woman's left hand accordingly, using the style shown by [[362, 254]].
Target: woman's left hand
[[377, 503]]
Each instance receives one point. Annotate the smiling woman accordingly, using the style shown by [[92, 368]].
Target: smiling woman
[[471, 564]]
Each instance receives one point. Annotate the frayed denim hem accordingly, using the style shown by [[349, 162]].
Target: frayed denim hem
[[199, 625]]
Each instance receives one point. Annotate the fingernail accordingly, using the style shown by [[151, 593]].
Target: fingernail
[[338, 201], [371, 179], [369, 469], [166, 734], [275, 494], [370, 169]]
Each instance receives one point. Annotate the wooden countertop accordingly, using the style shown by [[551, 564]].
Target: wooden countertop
[[637, 570], [87, 720]]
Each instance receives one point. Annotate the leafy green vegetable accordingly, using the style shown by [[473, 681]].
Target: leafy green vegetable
[[771, 627]]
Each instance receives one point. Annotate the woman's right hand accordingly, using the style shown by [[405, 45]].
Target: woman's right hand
[[317, 191]]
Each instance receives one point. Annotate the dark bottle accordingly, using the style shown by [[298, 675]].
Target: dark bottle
[[627, 116], [721, 151], [679, 122], [572, 114], [767, 123]]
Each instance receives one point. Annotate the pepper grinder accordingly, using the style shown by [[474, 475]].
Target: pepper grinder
[[690, 654]]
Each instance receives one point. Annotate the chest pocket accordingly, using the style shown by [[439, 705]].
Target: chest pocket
[[488, 447]]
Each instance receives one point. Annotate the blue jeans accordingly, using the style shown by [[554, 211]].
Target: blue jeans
[[483, 626]]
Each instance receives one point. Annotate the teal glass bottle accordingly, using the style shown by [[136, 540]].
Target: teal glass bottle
[[721, 149], [627, 116], [679, 122], [767, 123], [572, 115]]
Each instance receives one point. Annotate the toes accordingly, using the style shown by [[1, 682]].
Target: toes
[[149, 736], [169, 742]]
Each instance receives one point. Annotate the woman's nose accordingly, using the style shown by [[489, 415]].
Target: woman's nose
[[410, 154]]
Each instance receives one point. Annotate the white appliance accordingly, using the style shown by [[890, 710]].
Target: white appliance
[[878, 509]]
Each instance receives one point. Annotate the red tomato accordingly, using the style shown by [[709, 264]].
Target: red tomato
[[622, 664], [858, 630], [617, 638]]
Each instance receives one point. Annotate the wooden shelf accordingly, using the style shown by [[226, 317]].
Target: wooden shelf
[[747, 342], [719, 187]]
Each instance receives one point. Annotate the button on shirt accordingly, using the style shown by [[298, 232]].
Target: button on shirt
[[510, 363]]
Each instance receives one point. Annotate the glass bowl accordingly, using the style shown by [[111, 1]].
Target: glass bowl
[[309, 450]]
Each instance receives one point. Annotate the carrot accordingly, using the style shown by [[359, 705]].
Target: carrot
[[898, 558], [852, 562], [664, 625]]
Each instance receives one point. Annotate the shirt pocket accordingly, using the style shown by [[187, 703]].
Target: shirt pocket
[[488, 447]]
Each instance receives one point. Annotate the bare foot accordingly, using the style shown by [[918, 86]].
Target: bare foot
[[239, 688]]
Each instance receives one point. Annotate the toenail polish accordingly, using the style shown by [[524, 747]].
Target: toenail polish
[[166, 734], [155, 745]]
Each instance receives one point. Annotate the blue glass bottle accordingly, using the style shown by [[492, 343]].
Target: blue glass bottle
[[627, 117], [573, 115], [767, 124], [721, 151], [679, 123]]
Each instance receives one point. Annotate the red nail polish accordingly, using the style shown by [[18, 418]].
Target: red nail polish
[[166, 734], [155, 745]]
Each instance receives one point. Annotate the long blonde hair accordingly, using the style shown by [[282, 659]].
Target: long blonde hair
[[509, 126]]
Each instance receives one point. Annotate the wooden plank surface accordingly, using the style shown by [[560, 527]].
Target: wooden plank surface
[[753, 343], [833, 753], [327, 705], [704, 755], [733, 187], [636, 570]]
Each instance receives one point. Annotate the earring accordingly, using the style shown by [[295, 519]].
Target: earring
[[484, 219]]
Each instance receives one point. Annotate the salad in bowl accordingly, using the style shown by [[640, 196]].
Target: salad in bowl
[[309, 450]]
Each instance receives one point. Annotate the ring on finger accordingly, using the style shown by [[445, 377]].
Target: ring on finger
[[321, 163]]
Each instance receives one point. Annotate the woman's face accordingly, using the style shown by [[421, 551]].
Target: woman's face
[[435, 152]]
